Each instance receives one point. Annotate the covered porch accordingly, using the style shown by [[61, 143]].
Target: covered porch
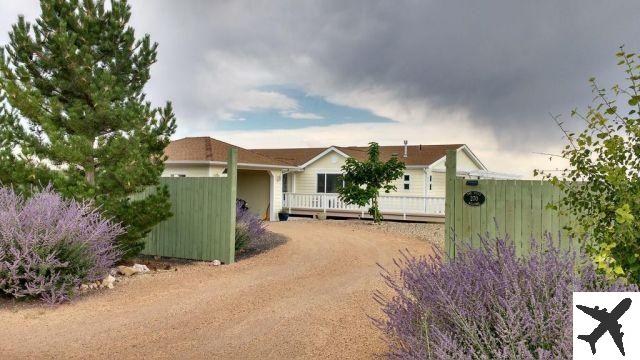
[[410, 208]]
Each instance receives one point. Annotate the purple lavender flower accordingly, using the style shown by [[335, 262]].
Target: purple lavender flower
[[49, 245], [488, 303], [248, 226]]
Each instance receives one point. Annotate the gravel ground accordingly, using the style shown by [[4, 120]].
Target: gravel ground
[[308, 298], [431, 233]]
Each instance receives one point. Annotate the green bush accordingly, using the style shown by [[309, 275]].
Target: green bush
[[602, 184]]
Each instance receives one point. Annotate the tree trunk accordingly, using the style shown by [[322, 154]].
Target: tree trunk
[[90, 172]]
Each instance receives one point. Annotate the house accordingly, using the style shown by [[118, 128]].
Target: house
[[304, 181]]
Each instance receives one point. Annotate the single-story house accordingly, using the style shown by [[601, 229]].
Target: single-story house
[[304, 181]]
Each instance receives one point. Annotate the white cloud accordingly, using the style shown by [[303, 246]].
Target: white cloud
[[441, 130], [301, 115]]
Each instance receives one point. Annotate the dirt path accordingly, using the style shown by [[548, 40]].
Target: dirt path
[[308, 298]]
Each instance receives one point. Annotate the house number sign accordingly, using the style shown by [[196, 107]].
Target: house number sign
[[474, 198]]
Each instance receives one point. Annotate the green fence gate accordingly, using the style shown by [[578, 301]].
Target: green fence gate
[[517, 207], [204, 215]]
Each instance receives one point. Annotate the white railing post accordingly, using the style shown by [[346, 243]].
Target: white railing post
[[289, 201], [404, 208], [324, 203]]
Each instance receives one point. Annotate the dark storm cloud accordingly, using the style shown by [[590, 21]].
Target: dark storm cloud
[[508, 63]]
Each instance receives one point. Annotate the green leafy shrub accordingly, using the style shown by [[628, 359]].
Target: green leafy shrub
[[363, 180], [602, 184]]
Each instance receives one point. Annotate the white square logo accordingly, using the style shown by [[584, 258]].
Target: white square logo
[[606, 325]]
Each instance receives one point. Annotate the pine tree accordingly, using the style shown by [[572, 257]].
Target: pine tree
[[73, 112]]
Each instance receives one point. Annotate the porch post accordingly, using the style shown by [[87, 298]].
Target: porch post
[[273, 195]]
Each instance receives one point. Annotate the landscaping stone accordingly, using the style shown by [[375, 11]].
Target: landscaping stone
[[142, 269], [108, 282], [127, 270], [216, 263], [84, 287]]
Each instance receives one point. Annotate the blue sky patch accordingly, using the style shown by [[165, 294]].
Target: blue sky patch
[[311, 111]]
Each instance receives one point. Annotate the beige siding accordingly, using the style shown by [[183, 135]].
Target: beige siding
[[416, 184], [437, 184], [306, 181], [464, 162], [253, 187], [438, 173], [190, 170]]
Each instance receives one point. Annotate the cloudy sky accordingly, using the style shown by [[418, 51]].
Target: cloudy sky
[[317, 73]]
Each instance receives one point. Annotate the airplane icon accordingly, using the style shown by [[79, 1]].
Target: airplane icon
[[608, 322]]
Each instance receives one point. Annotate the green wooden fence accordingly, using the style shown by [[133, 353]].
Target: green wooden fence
[[204, 215], [518, 207]]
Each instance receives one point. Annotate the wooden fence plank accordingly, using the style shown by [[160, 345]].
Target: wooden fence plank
[[203, 223], [517, 217], [491, 207], [509, 203], [500, 218]]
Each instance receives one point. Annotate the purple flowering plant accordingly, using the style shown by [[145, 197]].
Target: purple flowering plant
[[249, 227], [487, 303], [50, 245]]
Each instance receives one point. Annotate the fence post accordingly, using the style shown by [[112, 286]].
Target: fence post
[[449, 206], [232, 177]]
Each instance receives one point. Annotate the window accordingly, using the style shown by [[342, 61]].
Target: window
[[285, 180], [329, 183], [178, 175], [430, 181], [407, 181]]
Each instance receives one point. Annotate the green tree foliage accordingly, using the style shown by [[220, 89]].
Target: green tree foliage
[[602, 184], [73, 112], [363, 180]]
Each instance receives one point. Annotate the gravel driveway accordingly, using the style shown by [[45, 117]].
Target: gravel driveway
[[308, 298]]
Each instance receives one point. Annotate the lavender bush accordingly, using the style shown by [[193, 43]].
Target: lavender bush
[[249, 227], [49, 245], [487, 303]]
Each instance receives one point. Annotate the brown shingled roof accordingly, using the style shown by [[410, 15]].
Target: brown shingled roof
[[416, 154], [208, 149]]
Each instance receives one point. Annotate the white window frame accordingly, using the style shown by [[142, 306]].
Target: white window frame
[[325, 173], [406, 184]]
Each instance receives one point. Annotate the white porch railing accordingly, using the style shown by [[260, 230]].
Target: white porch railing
[[405, 205]]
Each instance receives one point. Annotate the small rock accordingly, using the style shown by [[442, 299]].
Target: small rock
[[113, 272], [127, 270], [84, 287], [108, 282], [92, 286], [216, 263], [142, 269]]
